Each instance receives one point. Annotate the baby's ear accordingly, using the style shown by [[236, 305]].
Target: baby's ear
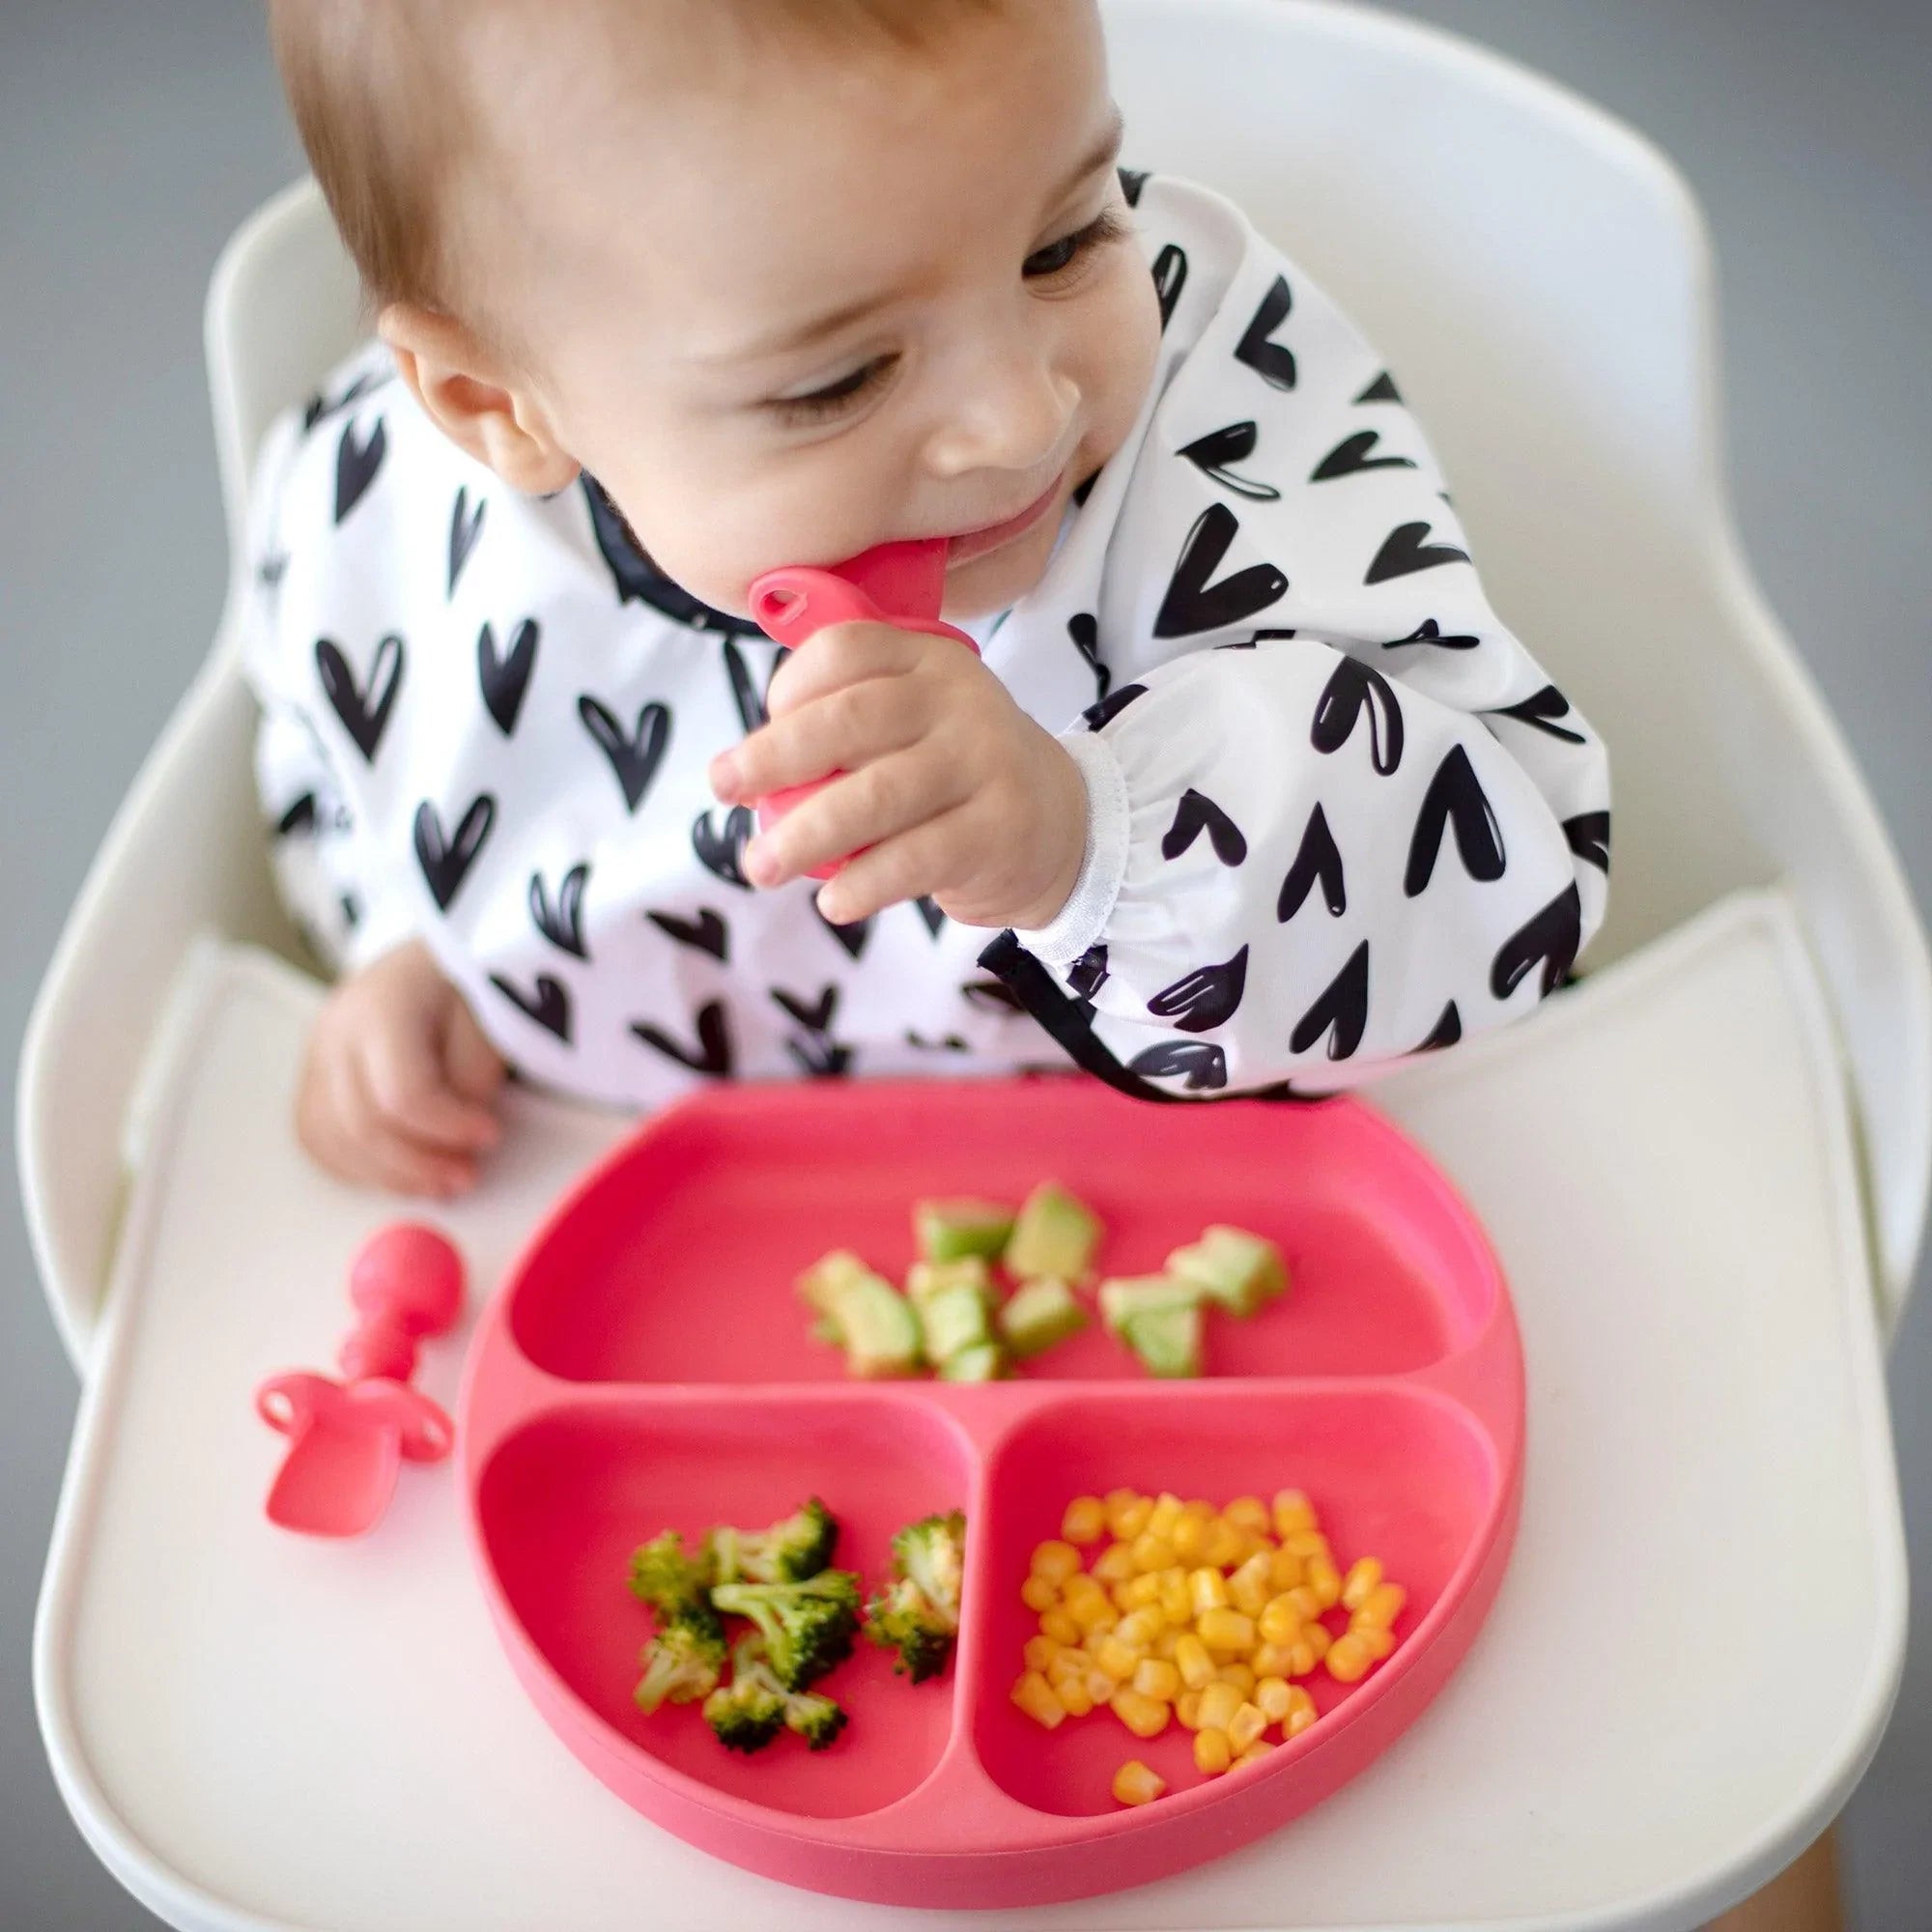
[[477, 399]]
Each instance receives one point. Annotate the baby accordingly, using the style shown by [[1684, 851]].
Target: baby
[[1247, 791]]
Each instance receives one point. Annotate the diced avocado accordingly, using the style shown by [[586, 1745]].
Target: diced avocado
[[954, 1318], [1144, 1294], [1054, 1237], [1239, 1270], [825, 1329], [925, 1279], [1167, 1339], [1040, 1314], [875, 1321], [951, 1230], [982, 1362]]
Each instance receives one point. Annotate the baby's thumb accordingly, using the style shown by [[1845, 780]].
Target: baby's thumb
[[476, 1068]]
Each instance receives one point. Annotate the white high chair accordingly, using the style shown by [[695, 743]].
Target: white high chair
[[1738, 1097]]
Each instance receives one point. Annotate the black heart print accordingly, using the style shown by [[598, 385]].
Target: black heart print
[[852, 937], [1551, 939], [1342, 1012], [299, 820], [817, 1014], [549, 1006], [270, 571], [357, 465], [1381, 390], [464, 531], [1588, 835], [708, 932], [633, 574], [1196, 813], [1351, 456], [820, 1055], [1212, 453], [1207, 997], [1318, 862], [1430, 632], [1170, 278], [722, 853], [1132, 180], [364, 711], [1455, 797], [319, 406], [445, 862], [1352, 688], [352, 910], [992, 996], [1446, 1032], [506, 678], [712, 1054], [1201, 1064], [1192, 603], [1089, 972], [949, 1044], [934, 918], [1539, 709], [1085, 632], [1270, 360], [744, 692], [562, 923], [1099, 716], [634, 758], [1405, 551]]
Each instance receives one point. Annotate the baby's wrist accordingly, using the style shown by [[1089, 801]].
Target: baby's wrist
[[1061, 838]]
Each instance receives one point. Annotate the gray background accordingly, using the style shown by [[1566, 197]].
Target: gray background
[[134, 138]]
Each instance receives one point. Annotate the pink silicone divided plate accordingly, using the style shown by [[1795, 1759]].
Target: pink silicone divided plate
[[647, 1365]]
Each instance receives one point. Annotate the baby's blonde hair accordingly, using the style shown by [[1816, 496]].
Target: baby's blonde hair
[[382, 97]]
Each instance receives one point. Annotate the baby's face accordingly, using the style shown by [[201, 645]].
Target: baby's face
[[791, 308]]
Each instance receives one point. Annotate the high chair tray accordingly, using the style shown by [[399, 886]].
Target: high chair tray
[[1685, 1671]]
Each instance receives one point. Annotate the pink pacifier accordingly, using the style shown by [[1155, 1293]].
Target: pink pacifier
[[347, 1439], [899, 583]]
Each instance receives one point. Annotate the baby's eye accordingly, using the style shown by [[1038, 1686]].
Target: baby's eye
[[816, 404], [1057, 257]]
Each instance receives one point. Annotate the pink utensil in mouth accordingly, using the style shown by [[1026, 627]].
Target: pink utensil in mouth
[[899, 583], [349, 1438]]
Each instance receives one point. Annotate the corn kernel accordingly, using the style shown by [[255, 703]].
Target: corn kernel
[[1091, 1610], [1318, 1636], [1069, 1667], [1248, 1587], [1380, 1606], [1218, 1704], [1099, 1686], [1157, 1680], [1040, 1653], [1119, 1499], [1247, 1513], [1200, 1508], [1060, 1625], [1117, 1660], [1191, 1659], [1126, 1520], [1301, 1656], [1115, 1563], [1307, 1606], [1176, 1600], [1187, 1709], [1135, 1784], [1225, 1548], [1273, 1697], [1085, 1520], [1239, 1675], [1307, 1542], [1142, 1716], [1300, 1712], [1293, 1512], [1055, 1561], [1165, 1644], [1279, 1621], [1362, 1578], [1325, 1581], [1207, 1590], [1141, 1629], [1189, 1538], [1075, 1698], [1348, 1658], [1037, 1593], [1271, 1660], [1226, 1630], [1035, 1696], [1166, 1512], [1213, 1754], [1255, 1752], [1139, 1591], [1151, 1552], [1285, 1570], [1245, 1726], [1377, 1640]]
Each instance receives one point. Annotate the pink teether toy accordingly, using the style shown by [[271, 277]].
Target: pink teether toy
[[897, 584], [348, 1439]]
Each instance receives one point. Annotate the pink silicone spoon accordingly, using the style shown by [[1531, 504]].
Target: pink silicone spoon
[[899, 583]]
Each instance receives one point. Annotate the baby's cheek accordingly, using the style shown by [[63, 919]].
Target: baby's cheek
[[1117, 346]]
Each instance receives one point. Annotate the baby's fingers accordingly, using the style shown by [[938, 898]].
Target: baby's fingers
[[878, 801], [840, 732], [412, 1097], [342, 1128], [907, 866]]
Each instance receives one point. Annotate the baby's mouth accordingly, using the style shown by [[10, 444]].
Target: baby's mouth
[[971, 544]]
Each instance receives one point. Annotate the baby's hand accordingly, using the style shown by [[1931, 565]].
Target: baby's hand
[[953, 791], [397, 1086]]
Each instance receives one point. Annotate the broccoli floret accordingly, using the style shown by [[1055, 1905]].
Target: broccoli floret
[[672, 1581], [814, 1718], [808, 1626], [918, 1613], [682, 1662], [787, 1552], [747, 1714]]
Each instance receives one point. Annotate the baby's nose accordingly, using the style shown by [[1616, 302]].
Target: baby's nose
[[1014, 414]]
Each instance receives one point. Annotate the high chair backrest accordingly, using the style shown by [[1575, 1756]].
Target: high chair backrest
[[1538, 278]]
